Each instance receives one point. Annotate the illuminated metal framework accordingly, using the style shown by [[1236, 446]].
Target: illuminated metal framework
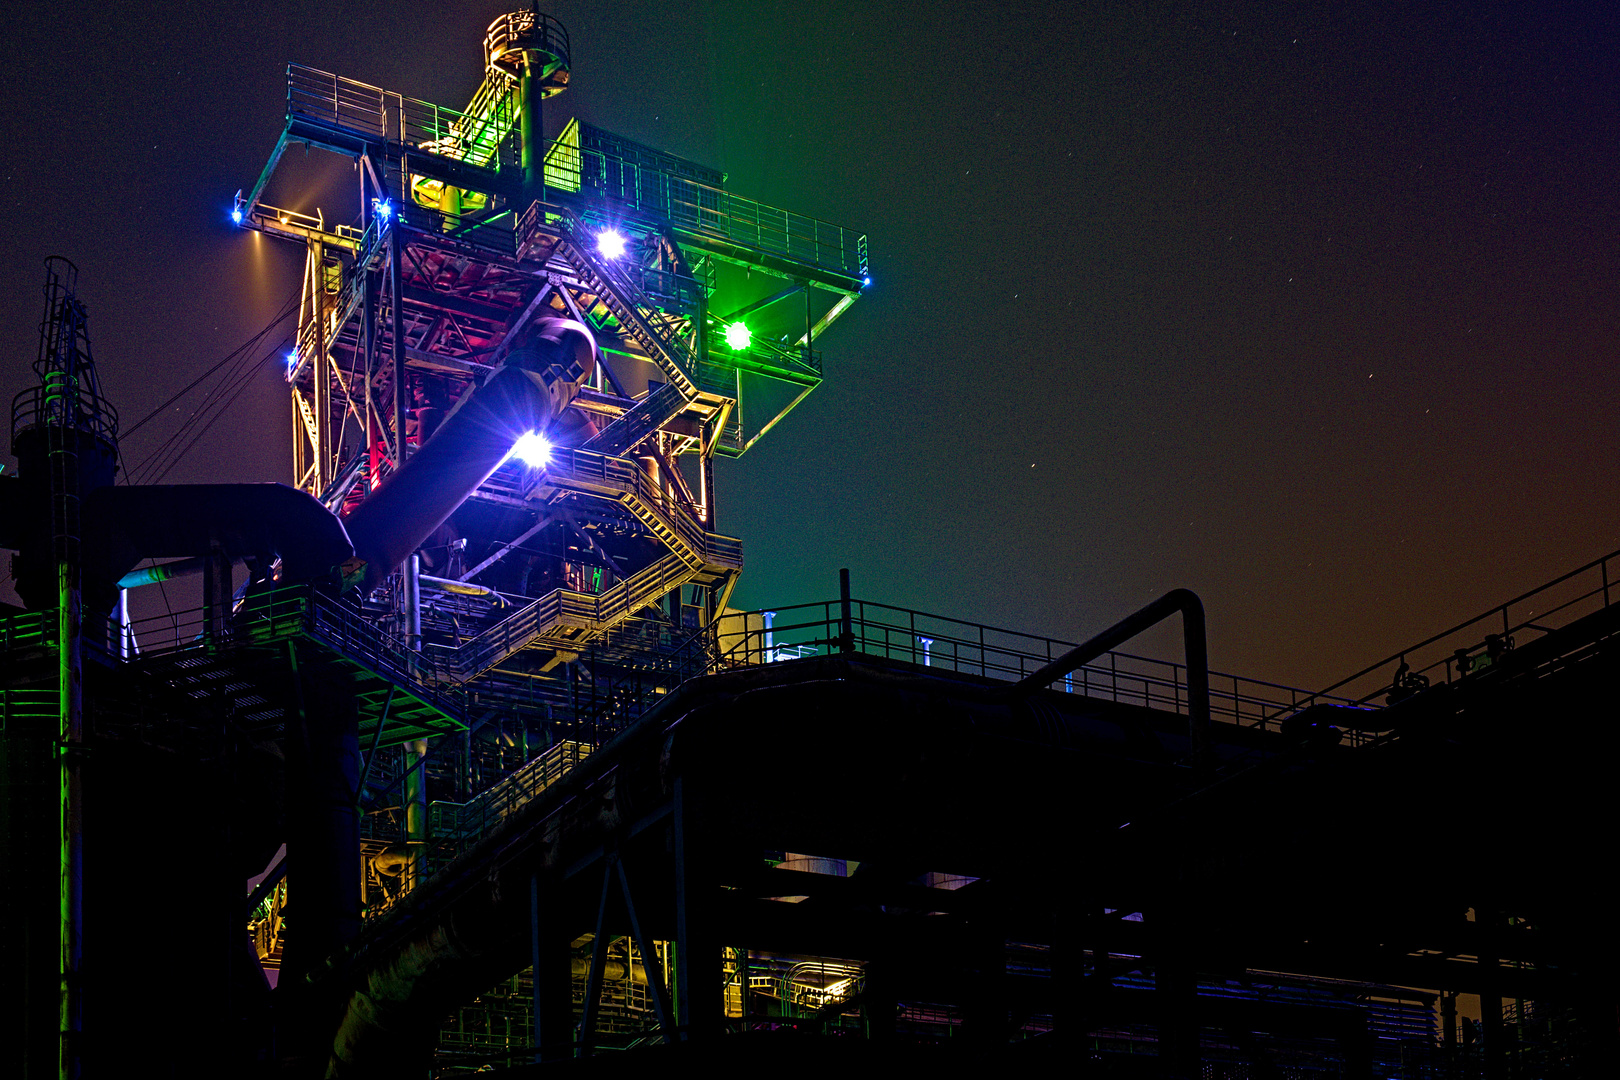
[[571, 593], [534, 773], [468, 227]]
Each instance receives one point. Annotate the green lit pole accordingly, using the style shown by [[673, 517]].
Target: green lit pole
[[531, 91], [64, 468]]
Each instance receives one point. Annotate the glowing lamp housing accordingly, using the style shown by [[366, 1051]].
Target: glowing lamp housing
[[533, 449], [611, 243], [738, 336]]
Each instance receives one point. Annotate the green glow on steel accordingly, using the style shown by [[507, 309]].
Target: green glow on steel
[[738, 336]]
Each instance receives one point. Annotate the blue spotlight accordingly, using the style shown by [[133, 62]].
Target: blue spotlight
[[385, 209], [236, 214]]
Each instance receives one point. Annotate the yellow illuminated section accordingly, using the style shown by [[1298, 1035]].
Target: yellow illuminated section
[[564, 163]]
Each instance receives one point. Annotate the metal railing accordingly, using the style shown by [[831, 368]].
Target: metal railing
[[296, 611], [1476, 645], [700, 209], [705, 210], [478, 817], [28, 630], [28, 706], [659, 511], [382, 115], [494, 235], [457, 827], [953, 645]]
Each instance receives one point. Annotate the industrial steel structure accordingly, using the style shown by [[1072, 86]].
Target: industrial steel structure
[[465, 763]]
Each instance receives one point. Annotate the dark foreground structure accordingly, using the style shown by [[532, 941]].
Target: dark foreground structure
[[464, 764]]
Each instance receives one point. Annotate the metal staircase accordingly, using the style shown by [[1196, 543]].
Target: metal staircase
[[617, 293], [650, 413]]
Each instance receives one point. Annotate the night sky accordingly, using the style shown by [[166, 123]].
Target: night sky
[[1311, 310]]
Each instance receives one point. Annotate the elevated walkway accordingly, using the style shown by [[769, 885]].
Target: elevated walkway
[[476, 150], [561, 620], [245, 664]]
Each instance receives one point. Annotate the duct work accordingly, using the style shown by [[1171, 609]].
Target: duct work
[[527, 393]]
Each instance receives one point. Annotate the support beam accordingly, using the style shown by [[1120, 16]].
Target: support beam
[[501, 552], [396, 303]]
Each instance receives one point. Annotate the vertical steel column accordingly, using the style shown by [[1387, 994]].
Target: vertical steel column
[[216, 594], [64, 466], [1493, 1033], [551, 975], [809, 327], [323, 832], [699, 987], [846, 624], [532, 131], [880, 1007], [984, 1022], [413, 602], [396, 298], [416, 811], [1176, 990], [324, 467], [1448, 1029], [368, 357], [127, 647], [700, 341], [300, 447]]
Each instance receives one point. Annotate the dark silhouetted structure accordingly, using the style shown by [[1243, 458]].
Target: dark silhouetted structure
[[464, 762]]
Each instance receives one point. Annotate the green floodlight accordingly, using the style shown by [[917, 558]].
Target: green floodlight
[[738, 336]]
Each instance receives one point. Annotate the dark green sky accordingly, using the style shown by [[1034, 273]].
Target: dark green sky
[[1313, 312]]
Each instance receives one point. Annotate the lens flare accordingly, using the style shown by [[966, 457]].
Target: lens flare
[[532, 449], [610, 243], [738, 336]]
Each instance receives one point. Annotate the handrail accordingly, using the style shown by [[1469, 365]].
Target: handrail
[[388, 117], [741, 640], [1479, 641], [704, 210]]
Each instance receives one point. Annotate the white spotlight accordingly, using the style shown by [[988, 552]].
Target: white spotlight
[[610, 243], [532, 449]]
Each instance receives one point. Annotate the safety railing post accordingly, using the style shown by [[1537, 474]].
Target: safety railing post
[[846, 627]]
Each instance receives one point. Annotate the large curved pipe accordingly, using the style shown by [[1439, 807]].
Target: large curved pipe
[[123, 525], [527, 393], [1194, 641]]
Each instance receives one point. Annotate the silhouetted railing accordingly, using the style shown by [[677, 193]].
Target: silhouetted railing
[[1476, 645], [975, 649]]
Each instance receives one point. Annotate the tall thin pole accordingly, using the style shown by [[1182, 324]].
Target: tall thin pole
[[846, 624]]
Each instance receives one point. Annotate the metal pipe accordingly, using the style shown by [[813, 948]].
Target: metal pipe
[[531, 91], [527, 393], [413, 603], [151, 575], [460, 588], [416, 808], [1195, 645]]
